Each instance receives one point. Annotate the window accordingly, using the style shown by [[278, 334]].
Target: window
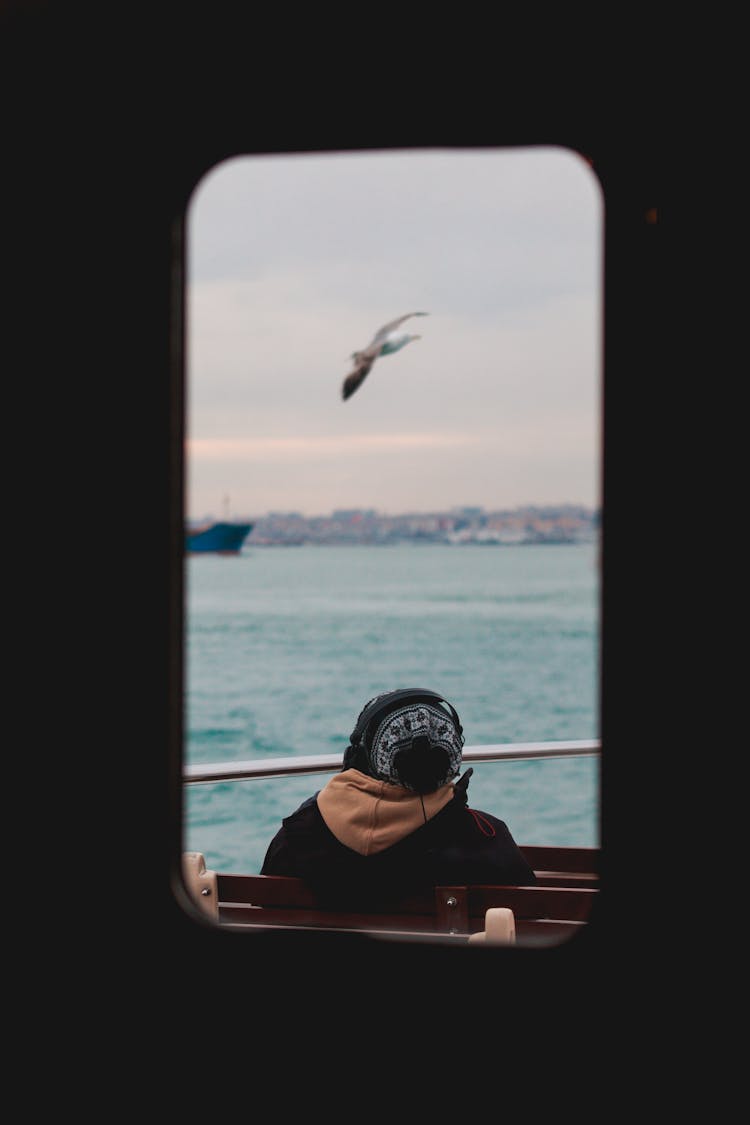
[[441, 525]]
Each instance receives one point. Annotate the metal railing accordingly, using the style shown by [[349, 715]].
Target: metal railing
[[297, 764]]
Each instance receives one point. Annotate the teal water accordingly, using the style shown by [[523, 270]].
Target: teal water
[[285, 645]]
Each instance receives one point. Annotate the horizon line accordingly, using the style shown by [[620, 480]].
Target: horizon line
[[455, 509]]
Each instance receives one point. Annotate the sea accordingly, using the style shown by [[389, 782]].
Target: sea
[[285, 645]]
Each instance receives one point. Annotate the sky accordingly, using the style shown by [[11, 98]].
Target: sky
[[295, 261]]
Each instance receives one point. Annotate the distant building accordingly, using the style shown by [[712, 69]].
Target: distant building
[[565, 523]]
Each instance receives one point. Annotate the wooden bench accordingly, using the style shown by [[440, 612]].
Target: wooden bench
[[553, 910], [563, 867]]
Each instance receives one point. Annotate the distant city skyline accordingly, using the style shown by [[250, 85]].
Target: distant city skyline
[[227, 511], [295, 261], [465, 526]]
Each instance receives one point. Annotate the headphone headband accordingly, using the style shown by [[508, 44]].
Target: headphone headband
[[391, 699]]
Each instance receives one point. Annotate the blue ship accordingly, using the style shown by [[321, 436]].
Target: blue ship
[[217, 538]]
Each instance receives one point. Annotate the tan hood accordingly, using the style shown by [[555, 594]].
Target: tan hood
[[369, 816]]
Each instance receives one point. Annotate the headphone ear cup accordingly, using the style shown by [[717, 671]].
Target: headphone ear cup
[[355, 758]]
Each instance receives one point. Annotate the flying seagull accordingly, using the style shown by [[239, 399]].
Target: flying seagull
[[387, 340]]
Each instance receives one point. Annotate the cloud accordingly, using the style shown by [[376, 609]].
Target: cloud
[[318, 448]]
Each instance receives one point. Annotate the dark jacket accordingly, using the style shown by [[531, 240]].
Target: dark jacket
[[359, 839]]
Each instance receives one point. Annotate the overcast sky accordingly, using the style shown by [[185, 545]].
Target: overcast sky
[[294, 262]]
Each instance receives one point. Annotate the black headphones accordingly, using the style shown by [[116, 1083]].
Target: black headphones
[[355, 755]]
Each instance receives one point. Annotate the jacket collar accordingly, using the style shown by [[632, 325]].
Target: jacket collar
[[369, 816]]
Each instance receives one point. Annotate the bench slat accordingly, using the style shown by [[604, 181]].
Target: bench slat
[[570, 904], [529, 931], [286, 890], [575, 861]]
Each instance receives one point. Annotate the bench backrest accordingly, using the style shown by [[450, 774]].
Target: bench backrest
[[546, 913], [543, 915]]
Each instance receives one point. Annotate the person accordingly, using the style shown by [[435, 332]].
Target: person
[[395, 819]]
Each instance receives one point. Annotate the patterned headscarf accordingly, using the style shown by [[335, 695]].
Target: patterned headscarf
[[396, 731]]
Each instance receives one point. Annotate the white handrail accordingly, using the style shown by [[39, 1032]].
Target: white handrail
[[295, 764]]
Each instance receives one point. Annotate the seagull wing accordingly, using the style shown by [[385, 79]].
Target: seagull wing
[[382, 333], [366, 358], [357, 376]]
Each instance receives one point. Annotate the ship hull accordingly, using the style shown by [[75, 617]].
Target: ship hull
[[217, 539]]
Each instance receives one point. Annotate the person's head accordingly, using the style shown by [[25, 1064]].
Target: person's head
[[410, 737]]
